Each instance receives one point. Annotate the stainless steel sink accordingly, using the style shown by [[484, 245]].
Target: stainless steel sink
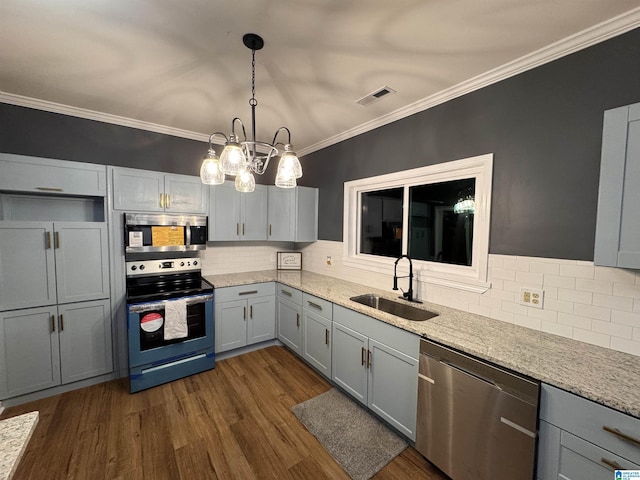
[[398, 309]]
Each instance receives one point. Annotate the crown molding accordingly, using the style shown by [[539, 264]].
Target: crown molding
[[581, 40], [53, 107]]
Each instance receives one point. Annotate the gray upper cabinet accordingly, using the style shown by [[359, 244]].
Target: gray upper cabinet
[[20, 173], [237, 216], [44, 263], [293, 214], [149, 191], [618, 222]]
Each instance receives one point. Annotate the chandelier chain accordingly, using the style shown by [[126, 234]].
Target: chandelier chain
[[253, 102]]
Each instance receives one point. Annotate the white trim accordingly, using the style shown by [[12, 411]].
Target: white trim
[[596, 34], [470, 278], [53, 107]]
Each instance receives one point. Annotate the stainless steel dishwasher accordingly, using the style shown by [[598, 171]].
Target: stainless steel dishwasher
[[475, 420]]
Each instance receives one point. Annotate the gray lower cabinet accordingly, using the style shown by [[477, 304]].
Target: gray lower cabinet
[[235, 215], [377, 364], [290, 317], [317, 315], [617, 242], [581, 440], [244, 315], [47, 346]]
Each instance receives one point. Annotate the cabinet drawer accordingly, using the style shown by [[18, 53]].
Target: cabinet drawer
[[292, 294], [317, 305], [581, 460], [240, 292], [612, 430], [403, 341]]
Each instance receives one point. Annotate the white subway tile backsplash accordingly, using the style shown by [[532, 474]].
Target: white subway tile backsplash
[[625, 318], [626, 290], [597, 305], [595, 286], [591, 337], [575, 296], [591, 311], [612, 329], [578, 271], [616, 303]]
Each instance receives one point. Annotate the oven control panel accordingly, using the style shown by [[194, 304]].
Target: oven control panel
[[164, 265]]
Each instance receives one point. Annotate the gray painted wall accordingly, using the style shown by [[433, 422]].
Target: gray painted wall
[[544, 128]]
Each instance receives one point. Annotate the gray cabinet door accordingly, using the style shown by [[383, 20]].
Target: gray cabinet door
[[392, 372], [261, 324], [230, 325], [306, 220], [82, 266], [290, 325], [27, 269], [185, 194], [349, 363], [135, 189], [29, 351], [281, 211], [618, 222], [254, 214], [316, 343], [85, 340], [224, 212]]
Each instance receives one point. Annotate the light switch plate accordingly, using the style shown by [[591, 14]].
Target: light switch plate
[[532, 297]]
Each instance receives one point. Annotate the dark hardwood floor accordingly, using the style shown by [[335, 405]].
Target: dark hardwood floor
[[233, 422]]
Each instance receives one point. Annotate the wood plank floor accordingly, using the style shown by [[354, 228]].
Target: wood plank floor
[[233, 422]]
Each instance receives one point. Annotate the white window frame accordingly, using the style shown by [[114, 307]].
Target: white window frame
[[469, 278]]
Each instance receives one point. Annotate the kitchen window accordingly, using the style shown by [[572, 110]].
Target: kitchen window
[[438, 215]]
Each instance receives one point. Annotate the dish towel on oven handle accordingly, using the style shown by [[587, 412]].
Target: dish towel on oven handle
[[175, 319]]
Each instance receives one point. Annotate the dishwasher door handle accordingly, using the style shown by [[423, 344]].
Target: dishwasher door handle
[[473, 374]]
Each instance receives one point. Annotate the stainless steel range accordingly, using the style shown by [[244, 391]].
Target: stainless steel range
[[169, 321]]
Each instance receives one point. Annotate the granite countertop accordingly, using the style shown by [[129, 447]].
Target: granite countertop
[[605, 376], [15, 433]]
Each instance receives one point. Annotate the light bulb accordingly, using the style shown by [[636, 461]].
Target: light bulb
[[245, 181], [210, 171], [233, 159]]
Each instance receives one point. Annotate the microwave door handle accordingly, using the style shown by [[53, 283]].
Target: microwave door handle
[[188, 228]]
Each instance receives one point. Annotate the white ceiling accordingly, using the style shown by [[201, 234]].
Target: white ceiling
[[181, 63]]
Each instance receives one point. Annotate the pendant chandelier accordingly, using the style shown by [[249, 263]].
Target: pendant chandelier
[[243, 158]]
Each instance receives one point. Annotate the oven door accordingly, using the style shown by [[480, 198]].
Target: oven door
[[145, 325]]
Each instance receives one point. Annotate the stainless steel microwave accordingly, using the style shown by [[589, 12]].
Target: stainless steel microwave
[[145, 232]]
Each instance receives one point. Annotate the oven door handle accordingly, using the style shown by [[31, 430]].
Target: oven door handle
[[146, 307]]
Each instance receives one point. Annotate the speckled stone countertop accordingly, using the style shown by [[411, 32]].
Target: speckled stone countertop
[[15, 433], [605, 376]]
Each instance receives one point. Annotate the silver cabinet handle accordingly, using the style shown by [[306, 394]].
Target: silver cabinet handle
[[288, 294], [56, 239], [269, 229], [611, 464], [237, 229], [53, 323], [243, 229], [623, 436], [248, 292], [50, 189], [47, 240], [314, 305]]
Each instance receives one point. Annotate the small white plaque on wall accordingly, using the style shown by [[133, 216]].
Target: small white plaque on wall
[[289, 261]]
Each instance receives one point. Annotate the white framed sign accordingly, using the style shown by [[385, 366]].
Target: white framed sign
[[289, 261]]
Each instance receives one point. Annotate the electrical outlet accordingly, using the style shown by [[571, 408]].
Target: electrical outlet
[[329, 261], [531, 297]]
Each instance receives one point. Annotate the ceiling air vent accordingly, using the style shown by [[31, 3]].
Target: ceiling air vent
[[375, 96]]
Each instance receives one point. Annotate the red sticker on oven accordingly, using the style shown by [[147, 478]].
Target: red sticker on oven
[[151, 322]]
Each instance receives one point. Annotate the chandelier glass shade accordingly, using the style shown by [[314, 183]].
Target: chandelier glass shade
[[244, 158]]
